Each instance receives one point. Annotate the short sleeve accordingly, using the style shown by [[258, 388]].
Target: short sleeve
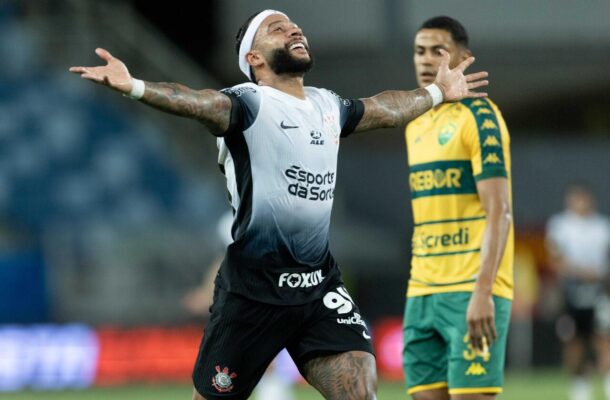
[[482, 137], [245, 104], [350, 113]]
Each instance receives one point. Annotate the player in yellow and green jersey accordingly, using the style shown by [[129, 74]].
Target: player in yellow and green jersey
[[459, 296]]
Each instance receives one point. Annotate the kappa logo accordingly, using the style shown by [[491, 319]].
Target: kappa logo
[[478, 103], [492, 158], [484, 111], [223, 380], [491, 141], [301, 280], [476, 369], [316, 138], [488, 124], [284, 126]]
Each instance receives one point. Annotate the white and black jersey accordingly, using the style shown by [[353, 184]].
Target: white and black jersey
[[279, 156]]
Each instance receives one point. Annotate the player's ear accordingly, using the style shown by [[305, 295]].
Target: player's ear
[[254, 58]]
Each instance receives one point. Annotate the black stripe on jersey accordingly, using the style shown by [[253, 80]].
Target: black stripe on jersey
[[243, 175], [222, 169], [350, 116], [244, 109]]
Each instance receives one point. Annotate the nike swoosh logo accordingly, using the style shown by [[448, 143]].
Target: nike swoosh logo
[[364, 334], [287, 126]]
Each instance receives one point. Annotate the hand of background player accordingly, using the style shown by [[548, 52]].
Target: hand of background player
[[454, 84], [480, 319], [114, 74]]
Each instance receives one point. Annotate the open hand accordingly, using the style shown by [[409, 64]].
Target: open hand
[[114, 74], [454, 84]]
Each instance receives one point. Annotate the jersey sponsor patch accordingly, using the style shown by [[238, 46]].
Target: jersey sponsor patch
[[316, 137], [301, 280], [440, 178], [310, 185], [424, 241]]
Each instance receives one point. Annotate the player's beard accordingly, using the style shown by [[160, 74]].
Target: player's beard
[[282, 62]]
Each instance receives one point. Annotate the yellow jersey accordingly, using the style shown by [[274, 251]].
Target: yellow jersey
[[450, 148]]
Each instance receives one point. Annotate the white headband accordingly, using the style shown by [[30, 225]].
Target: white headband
[[246, 42]]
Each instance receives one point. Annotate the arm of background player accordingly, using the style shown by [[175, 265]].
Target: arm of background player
[[565, 269], [210, 107], [395, 108], [495, 200]]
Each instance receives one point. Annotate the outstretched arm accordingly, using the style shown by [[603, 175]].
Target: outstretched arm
[[394, 108], [210, 107]]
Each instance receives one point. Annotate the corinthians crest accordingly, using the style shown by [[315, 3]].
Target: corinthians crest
[[223, 380]]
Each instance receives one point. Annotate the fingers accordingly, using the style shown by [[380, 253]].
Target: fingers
[[476, 81], [476, 95], [465, 64], [476, 76], [104, 54], [474, 85], [77, 70], [487, 338], [88, 73], [476, 334], [482, 332], [93, 77], [494, 333]]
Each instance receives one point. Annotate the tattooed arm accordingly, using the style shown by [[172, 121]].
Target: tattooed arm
[[395, 108], [210, 107]]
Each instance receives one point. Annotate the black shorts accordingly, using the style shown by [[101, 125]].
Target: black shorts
[[244, 336], [584, 320]]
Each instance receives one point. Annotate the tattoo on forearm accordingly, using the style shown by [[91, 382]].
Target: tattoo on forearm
[[394, 108], [345, 376], [210, 107]]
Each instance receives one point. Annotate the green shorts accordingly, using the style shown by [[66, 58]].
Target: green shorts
[[437, 353]]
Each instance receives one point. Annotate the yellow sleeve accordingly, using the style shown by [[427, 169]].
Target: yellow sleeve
[[482, 137]]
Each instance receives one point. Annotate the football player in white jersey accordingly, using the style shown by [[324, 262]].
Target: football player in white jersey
[[279, 285]]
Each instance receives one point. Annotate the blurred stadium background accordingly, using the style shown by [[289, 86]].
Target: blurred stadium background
[[108, 210]]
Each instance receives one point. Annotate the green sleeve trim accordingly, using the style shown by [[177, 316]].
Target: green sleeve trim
[[491, 173]]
